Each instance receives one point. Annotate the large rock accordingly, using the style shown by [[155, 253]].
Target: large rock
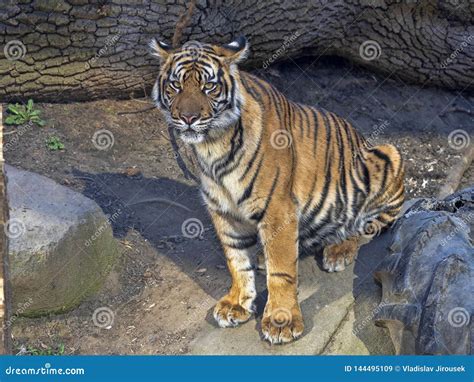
[[427, 279], [61, 244]]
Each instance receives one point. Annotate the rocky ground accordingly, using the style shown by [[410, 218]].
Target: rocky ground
[[163, 288]]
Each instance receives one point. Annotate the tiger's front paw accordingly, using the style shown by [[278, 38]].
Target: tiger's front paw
[[282, 325], [228, 314]]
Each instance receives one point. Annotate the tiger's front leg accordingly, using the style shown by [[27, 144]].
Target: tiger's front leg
[[238, 242], [282, 319]]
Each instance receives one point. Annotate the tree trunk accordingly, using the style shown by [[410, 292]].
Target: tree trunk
[[5, 297], [89, 49]]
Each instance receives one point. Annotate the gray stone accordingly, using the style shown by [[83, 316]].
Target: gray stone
[[428, 278], [61, 244]]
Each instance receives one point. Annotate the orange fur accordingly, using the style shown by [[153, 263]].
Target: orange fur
[[286, 175]]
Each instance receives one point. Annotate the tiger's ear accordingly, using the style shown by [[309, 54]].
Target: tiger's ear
[[236, 51], [160, 49]]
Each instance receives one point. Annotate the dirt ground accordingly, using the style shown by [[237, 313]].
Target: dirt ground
[[164, 285]]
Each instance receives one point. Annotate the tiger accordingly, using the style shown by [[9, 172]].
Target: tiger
[[274, 174]]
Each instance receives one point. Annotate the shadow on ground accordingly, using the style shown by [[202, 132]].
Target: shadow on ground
[[170, 215]]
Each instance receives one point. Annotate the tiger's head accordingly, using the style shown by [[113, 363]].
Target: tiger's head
[[197, 87]]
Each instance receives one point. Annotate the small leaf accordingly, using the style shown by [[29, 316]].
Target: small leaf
[[11, 120], [12, 109]]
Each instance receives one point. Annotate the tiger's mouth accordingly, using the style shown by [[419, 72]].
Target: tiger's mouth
[[190, 135]]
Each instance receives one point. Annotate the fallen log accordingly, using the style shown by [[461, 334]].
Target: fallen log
[[88, 49]]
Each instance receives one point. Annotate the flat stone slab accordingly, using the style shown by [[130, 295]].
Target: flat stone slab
[[61, 245], [338, 311]]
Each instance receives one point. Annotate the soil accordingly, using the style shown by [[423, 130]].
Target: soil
[[163, 288]]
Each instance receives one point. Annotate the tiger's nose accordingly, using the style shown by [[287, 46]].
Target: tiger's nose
[[189, 118]]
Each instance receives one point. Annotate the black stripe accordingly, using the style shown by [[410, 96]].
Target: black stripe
[[247, 269], [285, 276], [209, 197], [342, 159], [306, 120], [315, 141], [249, 89], [252, 160], [221, 163], [228, 215], [249, 188], [242, 244], [258, 216], [327, 176]]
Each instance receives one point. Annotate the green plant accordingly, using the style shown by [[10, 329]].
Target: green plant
[[21, 114], [57, 350], [54, 143]]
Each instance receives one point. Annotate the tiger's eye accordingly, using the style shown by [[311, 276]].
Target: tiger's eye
[[209, 85], [176, 84]]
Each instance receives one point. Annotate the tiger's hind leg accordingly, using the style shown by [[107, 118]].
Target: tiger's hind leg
[[385, 166], [337, 256]]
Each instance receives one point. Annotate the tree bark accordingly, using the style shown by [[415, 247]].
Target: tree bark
[[5, 295], [90, 49]]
